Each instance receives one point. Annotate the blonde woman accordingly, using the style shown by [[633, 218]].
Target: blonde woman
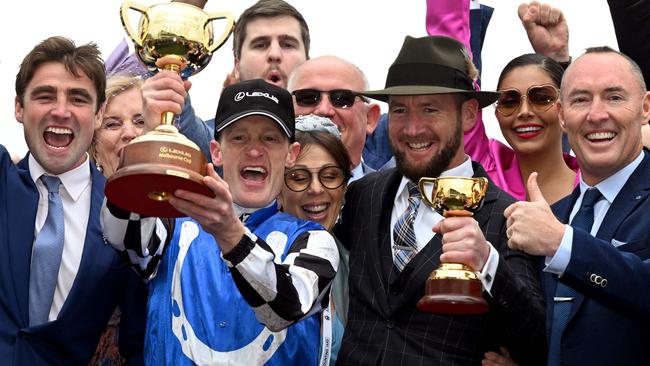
[[122, 122]]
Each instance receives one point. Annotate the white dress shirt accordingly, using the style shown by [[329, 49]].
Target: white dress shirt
[[75, 191], [609, 188], [427, 217]]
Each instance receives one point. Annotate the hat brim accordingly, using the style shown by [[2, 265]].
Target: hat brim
[[237, 117], [484, 98]]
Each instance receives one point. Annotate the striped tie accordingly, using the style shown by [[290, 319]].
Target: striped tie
[[405, 245]]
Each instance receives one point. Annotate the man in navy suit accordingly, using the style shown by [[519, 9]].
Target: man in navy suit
[[60, 100], [597, 271]]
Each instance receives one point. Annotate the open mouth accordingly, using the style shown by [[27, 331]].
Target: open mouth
[[315, 209], [528, 129], [253, 173], [418, 146], [600, 136], [316, 212], [58, 137]]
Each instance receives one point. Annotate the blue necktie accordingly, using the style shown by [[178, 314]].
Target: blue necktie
[[46, 255], [405, 245], [584, 219]]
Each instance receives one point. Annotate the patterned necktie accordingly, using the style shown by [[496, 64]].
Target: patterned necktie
[[46, 255], [405, 245], [562, 306]]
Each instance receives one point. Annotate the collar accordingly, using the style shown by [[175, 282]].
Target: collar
[[357, 172], [612, 185], [74, 181], [245, 212], [465, 169]]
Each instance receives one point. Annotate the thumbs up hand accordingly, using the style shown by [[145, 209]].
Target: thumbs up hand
[[531, 226]]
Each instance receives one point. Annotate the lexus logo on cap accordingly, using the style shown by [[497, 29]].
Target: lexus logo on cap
[[241, 95]]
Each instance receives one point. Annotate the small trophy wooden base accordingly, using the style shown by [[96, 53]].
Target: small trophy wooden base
[[453, 290]]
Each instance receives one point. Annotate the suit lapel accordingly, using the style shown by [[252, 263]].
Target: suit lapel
[[96, 256], [562, 210], [634, 192], [382, 263], [22, 202]]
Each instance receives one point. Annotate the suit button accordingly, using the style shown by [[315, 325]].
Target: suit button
[[23, 335], [390, 324]]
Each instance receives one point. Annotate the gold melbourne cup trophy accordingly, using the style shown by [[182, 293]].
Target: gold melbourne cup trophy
[[177, 37], [453, 288]]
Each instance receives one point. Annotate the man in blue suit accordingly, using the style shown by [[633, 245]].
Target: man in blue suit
[[59, 281], [597, 251]]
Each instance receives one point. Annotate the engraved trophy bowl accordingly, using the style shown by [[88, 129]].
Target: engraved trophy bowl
[[453, 288], [177, 37]]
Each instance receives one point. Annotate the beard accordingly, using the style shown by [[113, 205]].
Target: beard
[[414, 170]]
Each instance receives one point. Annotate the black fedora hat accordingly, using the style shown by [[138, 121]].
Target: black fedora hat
[[431, 65]]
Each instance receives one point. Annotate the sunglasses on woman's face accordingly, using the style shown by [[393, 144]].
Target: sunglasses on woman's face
[[540, 98], [329, 176], [339, 98]]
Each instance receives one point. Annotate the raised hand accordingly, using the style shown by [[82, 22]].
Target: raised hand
[[163, 92], [231, 78], [216, 215], [531, 226], [547, 30]]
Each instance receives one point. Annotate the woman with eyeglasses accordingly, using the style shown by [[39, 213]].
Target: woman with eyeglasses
[[314, 190], [122, 121]]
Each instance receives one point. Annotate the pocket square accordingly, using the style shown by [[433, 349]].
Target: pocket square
[[617, 243]]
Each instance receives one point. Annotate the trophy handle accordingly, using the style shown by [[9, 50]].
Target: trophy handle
[[421, 184], [230, 20], [124, 17], [479, 189]]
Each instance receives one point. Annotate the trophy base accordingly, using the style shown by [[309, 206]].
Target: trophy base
[[145, 189], [456, 294]]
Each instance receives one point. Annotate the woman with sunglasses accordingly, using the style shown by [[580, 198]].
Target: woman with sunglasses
[[528, 118], [314, 190]]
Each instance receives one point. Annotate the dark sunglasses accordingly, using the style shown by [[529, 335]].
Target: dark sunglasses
[[339, 98], [329, 176], [540, 97]]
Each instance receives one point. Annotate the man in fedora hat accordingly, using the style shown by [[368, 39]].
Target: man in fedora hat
[[432, 100], [236, 282]]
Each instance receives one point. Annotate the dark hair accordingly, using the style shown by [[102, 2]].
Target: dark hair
[[84, 59], [552, 68], [267, 9], [332, 144]]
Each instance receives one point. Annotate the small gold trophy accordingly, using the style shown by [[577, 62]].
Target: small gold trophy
[[177, 37], [453, 288]]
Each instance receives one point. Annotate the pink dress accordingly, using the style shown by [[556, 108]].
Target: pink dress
[[451, 18]]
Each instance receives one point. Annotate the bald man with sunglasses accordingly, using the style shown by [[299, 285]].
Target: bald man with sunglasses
[[328, 86]]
